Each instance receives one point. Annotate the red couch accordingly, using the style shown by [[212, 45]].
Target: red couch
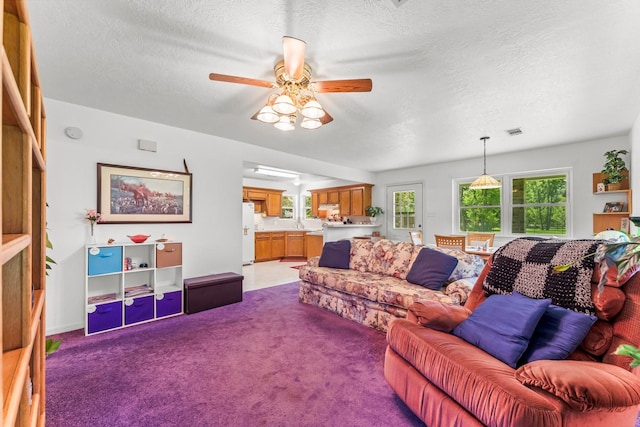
[[448, 382]]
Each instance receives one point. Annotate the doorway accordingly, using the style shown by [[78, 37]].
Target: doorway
[[404, 202]]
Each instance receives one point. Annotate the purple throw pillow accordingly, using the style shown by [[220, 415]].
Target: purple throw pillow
[[336, 254], [431, 269], [503, 325], [558, 333]]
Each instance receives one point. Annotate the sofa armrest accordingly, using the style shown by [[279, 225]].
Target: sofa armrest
[[584, 386], [437, 315], [460, 289], [313, 261]]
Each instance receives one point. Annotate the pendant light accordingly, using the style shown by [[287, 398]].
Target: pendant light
[[485, 181]]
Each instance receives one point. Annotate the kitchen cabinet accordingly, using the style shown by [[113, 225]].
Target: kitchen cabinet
[[269, 245], [295, 244], [614, 220], [314, 245], [265, 200], [274, 204], [352, 199]]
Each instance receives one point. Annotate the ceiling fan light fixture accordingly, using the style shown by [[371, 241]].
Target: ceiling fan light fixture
[[267, 115], [308, 123], [284, 105], [286, 123], [312, 110], [485, 181]]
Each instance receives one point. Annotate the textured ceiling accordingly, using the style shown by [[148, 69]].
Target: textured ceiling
[[444, 73]]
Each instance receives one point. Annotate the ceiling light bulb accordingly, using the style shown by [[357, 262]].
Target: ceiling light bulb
[[308, 123], [286, 123], [284, 105], [267, 115], [312, 110]]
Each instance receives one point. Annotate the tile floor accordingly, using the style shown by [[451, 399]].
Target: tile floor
[[270, 273]]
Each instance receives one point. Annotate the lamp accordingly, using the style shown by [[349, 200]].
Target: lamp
[[282, 109], [484, 180], [274, 172]]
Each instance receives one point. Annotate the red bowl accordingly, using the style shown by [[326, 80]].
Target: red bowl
[[139, 238]]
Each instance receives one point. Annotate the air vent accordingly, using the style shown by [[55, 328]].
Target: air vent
[[514, 131]]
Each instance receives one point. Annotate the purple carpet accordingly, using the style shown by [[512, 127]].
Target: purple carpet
[[267, 361]]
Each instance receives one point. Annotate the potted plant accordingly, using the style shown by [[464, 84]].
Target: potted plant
[[373, 211], [614, 167]]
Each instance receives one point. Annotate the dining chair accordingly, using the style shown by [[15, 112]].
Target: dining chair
[[416, 237], [479, 239], [450, 242]]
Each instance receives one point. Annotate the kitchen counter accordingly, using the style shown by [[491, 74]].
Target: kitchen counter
[[331, 233]]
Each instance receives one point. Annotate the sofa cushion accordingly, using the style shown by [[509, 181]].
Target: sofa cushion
[[389, 258], [608, 302], [431, 269], [611, 275], [558, 333], [360, 253], [526, 265], [336, 254], [503, 325], [599, 338], [583, 385]]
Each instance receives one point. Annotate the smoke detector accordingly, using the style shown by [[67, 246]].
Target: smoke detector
[[399, 3]]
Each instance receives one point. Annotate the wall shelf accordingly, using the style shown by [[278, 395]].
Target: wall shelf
[[611, 220]]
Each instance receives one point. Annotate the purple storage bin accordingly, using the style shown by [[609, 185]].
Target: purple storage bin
[[171, 303], [139, 311], [107, 316]]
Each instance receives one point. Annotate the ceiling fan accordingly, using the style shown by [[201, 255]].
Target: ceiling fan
[[296, 92]]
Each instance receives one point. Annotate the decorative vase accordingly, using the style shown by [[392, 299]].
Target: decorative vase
[[92, 237], [373, 219]]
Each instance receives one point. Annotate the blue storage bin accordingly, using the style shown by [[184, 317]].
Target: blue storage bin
[[168, 303], [108, 260], [106, 316], [139, 311]]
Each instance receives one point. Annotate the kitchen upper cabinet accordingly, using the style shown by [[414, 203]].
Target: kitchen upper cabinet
[[333, 197], [274, 204], [265, 200], [353, 199]]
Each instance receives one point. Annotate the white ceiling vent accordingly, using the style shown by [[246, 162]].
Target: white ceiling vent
[[514, 131], [399, 3]]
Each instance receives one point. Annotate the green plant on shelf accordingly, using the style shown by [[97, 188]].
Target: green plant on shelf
[[374, 211], [614, 167]]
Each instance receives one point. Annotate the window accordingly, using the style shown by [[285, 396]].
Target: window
[[287, 207], [404, 210], [308, 214], [534, 203]]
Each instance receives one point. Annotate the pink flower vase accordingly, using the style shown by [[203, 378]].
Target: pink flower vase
[[92, 238]]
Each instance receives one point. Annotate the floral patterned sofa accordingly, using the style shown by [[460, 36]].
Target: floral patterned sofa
[[374, 290]]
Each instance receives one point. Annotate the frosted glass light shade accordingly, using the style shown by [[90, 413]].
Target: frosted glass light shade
[[284, 105], [312, 110], [485, 181], [308, 123], [286, 123], [267, 115]]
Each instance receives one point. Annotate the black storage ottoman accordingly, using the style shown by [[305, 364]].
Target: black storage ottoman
[[215, 290]]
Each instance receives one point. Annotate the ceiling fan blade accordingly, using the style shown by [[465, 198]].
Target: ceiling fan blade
[[294, 50], [354, 85], [240, 80], [326, 118]]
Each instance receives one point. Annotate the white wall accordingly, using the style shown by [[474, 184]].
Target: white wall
[[211, 244], [634, 139], [584, 158]]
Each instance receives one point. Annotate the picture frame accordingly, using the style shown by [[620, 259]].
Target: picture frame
[[129, 194], [600, 188], [611, 207], [624, 225]]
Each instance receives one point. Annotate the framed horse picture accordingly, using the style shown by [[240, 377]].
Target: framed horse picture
[[128, 194]]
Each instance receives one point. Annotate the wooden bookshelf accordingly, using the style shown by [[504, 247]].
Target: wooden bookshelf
[[23, 244], [611, 220]]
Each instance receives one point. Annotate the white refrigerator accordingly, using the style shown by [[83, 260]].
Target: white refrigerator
[[248, 229]]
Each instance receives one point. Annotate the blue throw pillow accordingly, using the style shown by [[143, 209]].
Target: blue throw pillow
[[336, 254], [558, 333], [503, 325], [431, 269]]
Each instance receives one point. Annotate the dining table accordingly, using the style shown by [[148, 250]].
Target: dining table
[[483, 253]]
